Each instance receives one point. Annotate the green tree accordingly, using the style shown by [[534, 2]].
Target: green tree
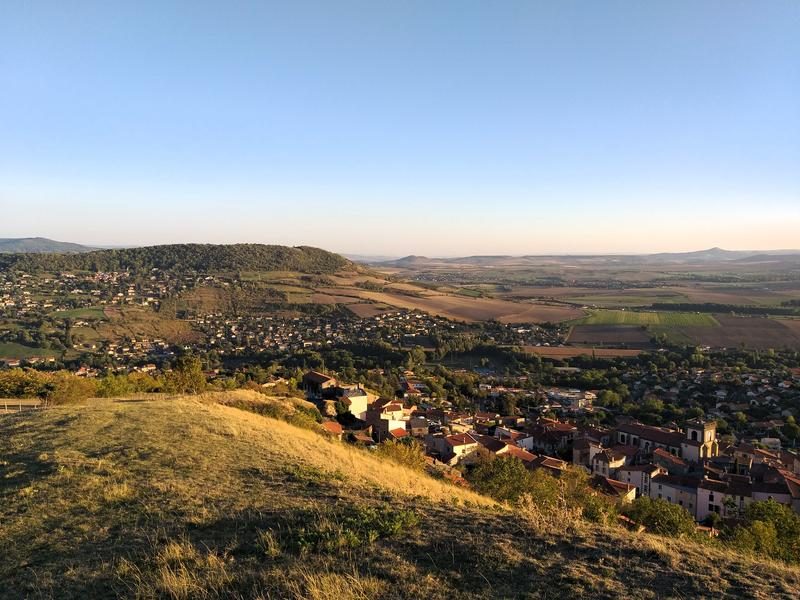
[[660, 516], [770, 529], [66, 388], [504, 478], [187, 377]]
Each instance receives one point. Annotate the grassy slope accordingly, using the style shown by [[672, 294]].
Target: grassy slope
[[169, 498]]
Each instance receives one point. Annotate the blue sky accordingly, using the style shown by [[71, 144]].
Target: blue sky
[[437, 128]]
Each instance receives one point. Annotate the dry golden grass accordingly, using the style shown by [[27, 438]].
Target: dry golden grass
[[310, 448], [310, 585], [185, 498]]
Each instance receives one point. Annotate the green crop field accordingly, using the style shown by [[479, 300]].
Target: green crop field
[[93, 313], [18, 351], [662, 319]]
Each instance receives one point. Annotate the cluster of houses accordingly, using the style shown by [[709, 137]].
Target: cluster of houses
[[725, 391], [689, 467], [24, 294]]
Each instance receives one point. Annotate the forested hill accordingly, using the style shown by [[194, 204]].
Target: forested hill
[[200, 258], [38, 245]]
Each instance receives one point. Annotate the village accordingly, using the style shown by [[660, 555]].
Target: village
[[690, 467], [59, 314]]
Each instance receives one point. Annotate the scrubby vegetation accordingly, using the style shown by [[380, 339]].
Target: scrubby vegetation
[[542, 497], [409, 453]]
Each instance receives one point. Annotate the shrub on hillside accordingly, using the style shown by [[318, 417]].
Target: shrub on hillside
[[558, 501], [22, 383], [410, 453], [769, 529], [66, 388], [60, 387], [660, 516], [504, 478], [187, 377]]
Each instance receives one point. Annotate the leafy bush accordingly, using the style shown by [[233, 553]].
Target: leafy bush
[[60, 387], [347, 528], [284, 409], [66, 388], [504, 478], [660, 516], [769, 529]]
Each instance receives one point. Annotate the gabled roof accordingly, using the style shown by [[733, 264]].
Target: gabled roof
[[611, 487], [332, 427], [460, 439], [670, 458], [677, 481], [548, 462], [658, 435], [317, 377], [520, 453], [490, 443]]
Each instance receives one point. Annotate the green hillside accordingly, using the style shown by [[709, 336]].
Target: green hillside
[[39, 244], [185, 498], [200, 258]]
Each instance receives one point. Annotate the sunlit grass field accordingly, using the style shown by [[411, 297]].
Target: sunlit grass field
[[663, 319]]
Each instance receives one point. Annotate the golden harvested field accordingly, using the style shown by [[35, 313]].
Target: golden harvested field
[[463, 308], [366, 310], [736, 295], [572, 352], [320, 298], [792, 324]]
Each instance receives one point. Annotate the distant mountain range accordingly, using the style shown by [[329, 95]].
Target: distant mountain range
[[711, 255], [38, 245]]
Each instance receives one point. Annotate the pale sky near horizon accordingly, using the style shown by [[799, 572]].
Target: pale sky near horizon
[[393, 128]]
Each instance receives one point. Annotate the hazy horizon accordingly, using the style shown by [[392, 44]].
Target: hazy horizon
[[377, 256], [446, 129]]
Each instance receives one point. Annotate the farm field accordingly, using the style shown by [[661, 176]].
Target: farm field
[[18, 351], [669, 319], [574, 351], [320, 298], [792, 324], [741, 295], [366, 310], [462, 308], [94, 313], [752, 332], [610, 335]]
